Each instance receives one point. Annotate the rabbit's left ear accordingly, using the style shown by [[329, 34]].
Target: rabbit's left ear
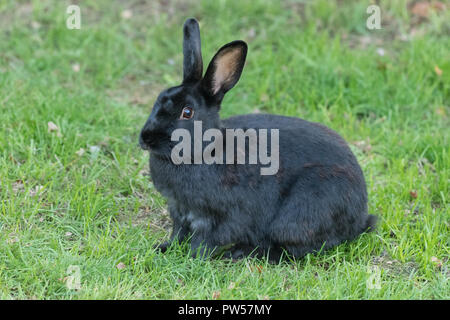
[[225, 69], [192, 51]]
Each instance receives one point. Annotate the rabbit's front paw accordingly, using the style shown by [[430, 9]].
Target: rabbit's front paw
[[162, 247], [201, 248], [240, 251]]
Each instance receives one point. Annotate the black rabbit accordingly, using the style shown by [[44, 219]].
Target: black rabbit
[[316, 200]]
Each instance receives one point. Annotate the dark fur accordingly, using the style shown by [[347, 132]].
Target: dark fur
[[317, 199]]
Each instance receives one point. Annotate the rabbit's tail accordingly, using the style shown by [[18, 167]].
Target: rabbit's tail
[[371, 223]]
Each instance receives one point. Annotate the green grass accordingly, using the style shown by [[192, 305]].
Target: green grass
[[311, 59]]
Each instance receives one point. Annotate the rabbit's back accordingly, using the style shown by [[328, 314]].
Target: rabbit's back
[[301, 142]]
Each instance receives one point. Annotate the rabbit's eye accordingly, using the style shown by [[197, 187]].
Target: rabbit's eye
[[187, 113]]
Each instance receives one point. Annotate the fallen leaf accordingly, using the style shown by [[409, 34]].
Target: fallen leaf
[[251, 33], [363, 145], [12, 238], [105, 142], [439, 6], [18, 186], [381, 52], [34, 191], [51, 127], [438, 71], [421, 9], [440, 111], [120, 266], [405, 37], [80, 152], [35, 25], [76, 67], [126, 14], [437, 261], [413, 194]]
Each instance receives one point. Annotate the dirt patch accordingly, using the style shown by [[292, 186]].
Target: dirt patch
[[415, 21], [152, 215], [21, 12], [394, 267], [133, 92], [157, 219]]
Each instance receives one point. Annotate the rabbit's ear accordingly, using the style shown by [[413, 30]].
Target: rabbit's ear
[[192, 51], [225, 69]]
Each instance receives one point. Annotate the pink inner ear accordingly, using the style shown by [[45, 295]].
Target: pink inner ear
[[226, 65]]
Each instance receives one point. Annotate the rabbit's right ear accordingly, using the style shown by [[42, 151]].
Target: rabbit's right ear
[[225, 69], [192, 51]]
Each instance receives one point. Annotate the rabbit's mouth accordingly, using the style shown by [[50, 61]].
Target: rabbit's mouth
[[160, 144], [156, 146], [150, 140]]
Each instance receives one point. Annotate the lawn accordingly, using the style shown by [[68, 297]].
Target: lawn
[[77, 202]]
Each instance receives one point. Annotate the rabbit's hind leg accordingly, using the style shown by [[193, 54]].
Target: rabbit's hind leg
[[274, 254], [303, 226], [243, 250]]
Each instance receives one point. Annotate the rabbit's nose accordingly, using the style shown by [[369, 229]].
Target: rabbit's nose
[[147, 136], [146, 139], [152, 138]]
